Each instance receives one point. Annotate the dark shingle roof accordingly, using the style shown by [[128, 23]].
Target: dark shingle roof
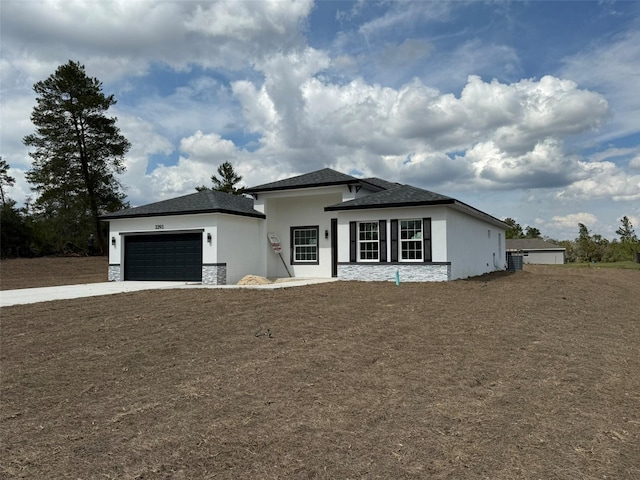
[[207, 201], [396, 196], [531, 244], [320, 178], [380, 183], [408, 196]]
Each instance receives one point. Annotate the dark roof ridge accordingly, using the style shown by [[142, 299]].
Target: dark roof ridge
[[320, 178], [379, 182]]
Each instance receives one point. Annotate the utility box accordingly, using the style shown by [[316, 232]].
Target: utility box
[[514, 261]]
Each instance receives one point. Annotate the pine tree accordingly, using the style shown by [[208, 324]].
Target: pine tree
[[78, 150], [629, 243], [532, 232], [227, 181], [590, 248], [6, 180], [626, 231], [515, 230]]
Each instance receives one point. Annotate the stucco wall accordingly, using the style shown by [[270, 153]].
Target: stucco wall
[[293, 209], [239, 246], [474, 247], [544, 257]]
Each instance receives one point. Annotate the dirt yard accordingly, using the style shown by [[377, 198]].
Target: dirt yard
[[532, 375], [51, 271]]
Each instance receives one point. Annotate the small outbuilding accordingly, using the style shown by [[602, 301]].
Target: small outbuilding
[[320, 224], [537, 251]]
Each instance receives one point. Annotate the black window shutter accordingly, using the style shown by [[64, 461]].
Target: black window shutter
[[291, 247], [394, 240], [382, 232], [426, 235], [353, 242]]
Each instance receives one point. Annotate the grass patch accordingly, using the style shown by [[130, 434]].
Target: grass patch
[[627, 265]]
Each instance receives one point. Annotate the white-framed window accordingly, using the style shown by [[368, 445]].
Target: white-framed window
[[304, 245], [411, 240], [368, 241]]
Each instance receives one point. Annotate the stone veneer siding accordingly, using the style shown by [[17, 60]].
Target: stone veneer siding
[[214, 274], [114, 273], [408, 272]]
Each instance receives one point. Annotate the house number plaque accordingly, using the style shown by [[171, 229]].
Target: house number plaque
[[159, 227]]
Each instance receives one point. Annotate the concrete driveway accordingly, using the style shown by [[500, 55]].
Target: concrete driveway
[[66, 292]]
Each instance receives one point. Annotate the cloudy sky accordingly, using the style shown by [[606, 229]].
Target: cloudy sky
[[529, 110]]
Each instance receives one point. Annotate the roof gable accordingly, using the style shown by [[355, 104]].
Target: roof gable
[[206, 201], [320, 178]]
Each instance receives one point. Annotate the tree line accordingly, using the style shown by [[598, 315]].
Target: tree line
[[77, 151], [587, 246]]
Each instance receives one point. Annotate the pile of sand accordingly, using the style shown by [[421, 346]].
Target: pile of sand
[[254, 280]]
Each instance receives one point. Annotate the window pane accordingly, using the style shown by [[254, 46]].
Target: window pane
[[369, 251], [410, 239], [305, 244], [411, 250], [368, 240]]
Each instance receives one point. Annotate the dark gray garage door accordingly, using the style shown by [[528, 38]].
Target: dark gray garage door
[[163, 257]]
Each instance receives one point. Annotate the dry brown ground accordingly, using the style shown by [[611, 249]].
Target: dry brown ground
[[531, 375], [51, 271]]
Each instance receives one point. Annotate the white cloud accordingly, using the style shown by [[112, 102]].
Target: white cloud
[[604, 180], [285, 77], [611, 67], [259, 111], [210, 148], [571, 221], [114, 38], [613, 153], [402, 15], [508, 134], [15, 119], [242, 21], [544, 166]]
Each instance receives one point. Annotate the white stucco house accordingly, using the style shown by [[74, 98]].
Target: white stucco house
[[537, 251], [320, 224]]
